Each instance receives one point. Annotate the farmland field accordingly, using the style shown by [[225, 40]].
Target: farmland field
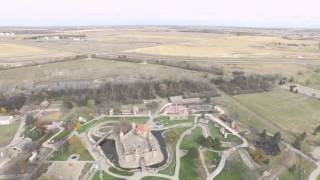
[[7, 50], [289, 111], [91, 69], [235, 47]]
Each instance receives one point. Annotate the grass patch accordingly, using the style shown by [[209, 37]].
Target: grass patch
[[301, 168], [167, 122], [212, 160], [290, 112], [64, 134], [74, 146], [235, 169], [153, 178], [191, 167], [90, 124], [105, 176], [172, 138], [120, 172], [7, 132]]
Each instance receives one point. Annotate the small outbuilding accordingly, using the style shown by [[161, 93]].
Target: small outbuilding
[[6, 120]]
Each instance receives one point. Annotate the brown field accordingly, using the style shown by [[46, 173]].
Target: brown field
[[91, 70], [9, 50], [51, 117]]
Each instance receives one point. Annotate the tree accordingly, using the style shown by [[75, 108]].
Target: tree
[[277, 137], [78, 125], [263, 134], [30, 120], [297, 143], [216, 143], [316, 130], [163, 89], [303, 136]]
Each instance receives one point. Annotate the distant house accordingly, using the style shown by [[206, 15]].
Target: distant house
[[131, 109], [219, 109], [33, 157], [177, 112], [185, 101], [111, 111], [6, 120]]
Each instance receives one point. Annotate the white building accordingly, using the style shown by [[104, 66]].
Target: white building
[[5, 120]]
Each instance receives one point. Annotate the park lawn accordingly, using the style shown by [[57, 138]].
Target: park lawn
[[64, 134], [153, 178], [212, 159], [302, 167], [235, 169], [104, 175], [90, 124], [191, 140], [120, 172], [191, 166], [172, 137], [167, 122], [75, 147], [7, 132], [289, 111]]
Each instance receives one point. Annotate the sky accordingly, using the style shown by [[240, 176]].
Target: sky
[[248, 13]]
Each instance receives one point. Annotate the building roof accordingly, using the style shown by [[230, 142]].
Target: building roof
[[181, 100], [174, 109], [142, 128], [6, 118]]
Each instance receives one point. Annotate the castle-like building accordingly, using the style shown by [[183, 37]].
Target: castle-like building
[[136, 146]]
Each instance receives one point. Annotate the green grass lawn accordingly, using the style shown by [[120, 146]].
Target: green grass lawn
[[7, 132], [172, 137], [235, 169], [90, 124], [167, 122], [191, 167], [120, 172], [61, 135], [212, 159], [75, 147], [153, 178], [288, 111], [300, 168], [104, 175]]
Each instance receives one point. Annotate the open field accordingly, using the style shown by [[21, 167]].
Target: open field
[[289, 111], [7, 132], [9, 50], [91, 70], [236, 47], [301, 168]]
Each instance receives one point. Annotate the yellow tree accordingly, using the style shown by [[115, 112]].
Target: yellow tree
[[163, 88], [78, 125]]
